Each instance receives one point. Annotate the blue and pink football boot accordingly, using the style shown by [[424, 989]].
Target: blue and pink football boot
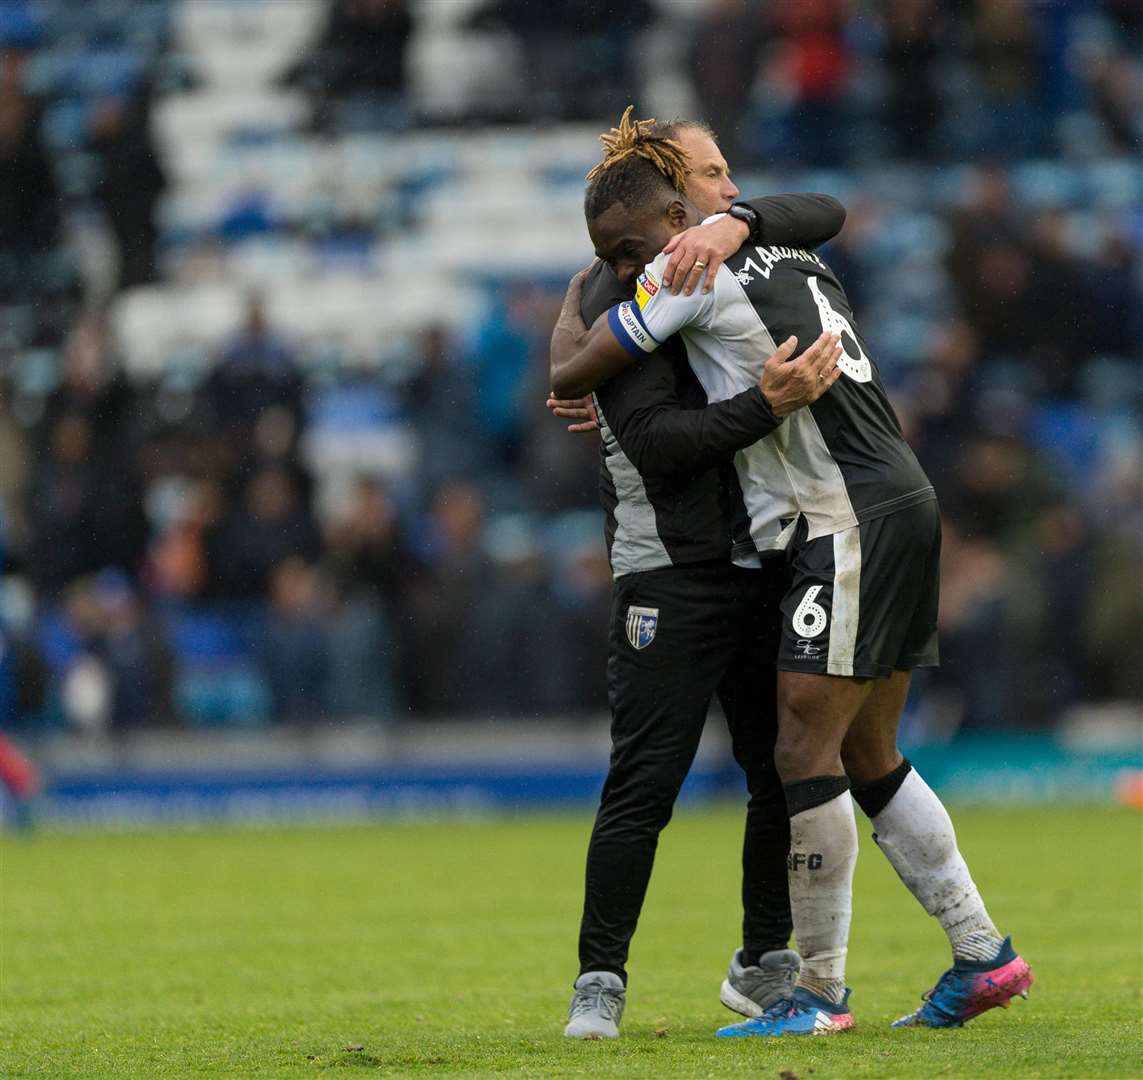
[[803, 1013], [971, 987]]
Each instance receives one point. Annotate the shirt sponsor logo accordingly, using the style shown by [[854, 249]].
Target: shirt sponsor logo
[[634, 328], [642, 622], [645, 288]]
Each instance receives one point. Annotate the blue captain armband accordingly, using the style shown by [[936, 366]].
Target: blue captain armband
[[630, 330]]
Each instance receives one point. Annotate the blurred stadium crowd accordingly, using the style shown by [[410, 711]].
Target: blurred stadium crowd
[[277, 279]]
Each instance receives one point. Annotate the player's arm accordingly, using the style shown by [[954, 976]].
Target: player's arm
[[661, 438], [798, 220], [597, 290], [581, 361], [805, 220], [583, 358]]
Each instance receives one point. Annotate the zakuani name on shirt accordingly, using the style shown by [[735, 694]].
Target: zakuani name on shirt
[[772, 255]]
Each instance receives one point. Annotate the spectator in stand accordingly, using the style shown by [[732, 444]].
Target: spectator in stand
[[23, 679], [117, 674], [1056, 557], [1116, 79], [999, 489], [514, 629], [131, 182], [87, 508], [503, 351], [1110, 308], [15, 471], [724, 59], [95, 388], [356, 72], [179, 563], [134, 650], [943, 398], [989, 264], [1058, 329], [63, 508], [1128, 16], [295, 652], [582, 589], [256, 370], [450, 656], [29, 199], [365, 546], [576, 54], [812, 65], [440, 400], [978, 657], [1005, 51], [1113, 622], [273, 444], [83, 517], [562, 474], [270, 525], [912, 55], [369, 572]]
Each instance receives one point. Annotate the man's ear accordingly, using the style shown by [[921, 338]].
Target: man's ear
[[677, 214]]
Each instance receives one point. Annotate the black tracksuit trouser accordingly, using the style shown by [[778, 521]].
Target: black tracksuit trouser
[[716, 632]]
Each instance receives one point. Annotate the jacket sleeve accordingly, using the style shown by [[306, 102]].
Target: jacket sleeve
[[640, 409], [805, 221]]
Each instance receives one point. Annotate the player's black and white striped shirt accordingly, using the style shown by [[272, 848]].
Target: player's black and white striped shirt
[[839, 462]]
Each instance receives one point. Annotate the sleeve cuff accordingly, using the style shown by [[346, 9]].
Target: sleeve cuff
[[763, 406], [755, 234]]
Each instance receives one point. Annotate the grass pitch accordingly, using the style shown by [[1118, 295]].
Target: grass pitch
[[449, 950]]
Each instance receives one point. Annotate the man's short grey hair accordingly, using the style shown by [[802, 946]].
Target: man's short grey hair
[[671, 128]]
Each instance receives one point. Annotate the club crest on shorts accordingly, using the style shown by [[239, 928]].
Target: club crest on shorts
[[642, 622]]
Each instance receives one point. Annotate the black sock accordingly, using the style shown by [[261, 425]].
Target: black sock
[[874, 797]]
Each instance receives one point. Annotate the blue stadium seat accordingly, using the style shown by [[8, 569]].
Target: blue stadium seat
[[217, 682], [209, 632], [229, 695]]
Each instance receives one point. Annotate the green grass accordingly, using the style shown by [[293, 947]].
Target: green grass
[[449, 950]]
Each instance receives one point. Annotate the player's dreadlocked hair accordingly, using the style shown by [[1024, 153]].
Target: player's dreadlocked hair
[[639, 159]]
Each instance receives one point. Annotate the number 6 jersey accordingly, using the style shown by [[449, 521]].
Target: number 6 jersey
[[842, 460]]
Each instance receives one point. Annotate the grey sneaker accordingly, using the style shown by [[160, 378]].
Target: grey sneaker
[[751, 990], [596, 1006]]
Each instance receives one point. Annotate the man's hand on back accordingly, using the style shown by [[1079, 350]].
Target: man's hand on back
[[570, 328], [581, 411], [571, 319], [701, 249], [789, 385]]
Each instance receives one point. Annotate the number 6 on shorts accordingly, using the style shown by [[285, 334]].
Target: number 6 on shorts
[[810, 619]]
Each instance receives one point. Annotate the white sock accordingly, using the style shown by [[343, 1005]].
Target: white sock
[[916, 835], [823, 853]]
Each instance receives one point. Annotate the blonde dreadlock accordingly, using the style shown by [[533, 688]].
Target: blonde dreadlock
[[640, 162], [643, 139]]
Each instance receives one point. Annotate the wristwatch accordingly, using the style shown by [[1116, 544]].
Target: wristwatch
[[749, 217]]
